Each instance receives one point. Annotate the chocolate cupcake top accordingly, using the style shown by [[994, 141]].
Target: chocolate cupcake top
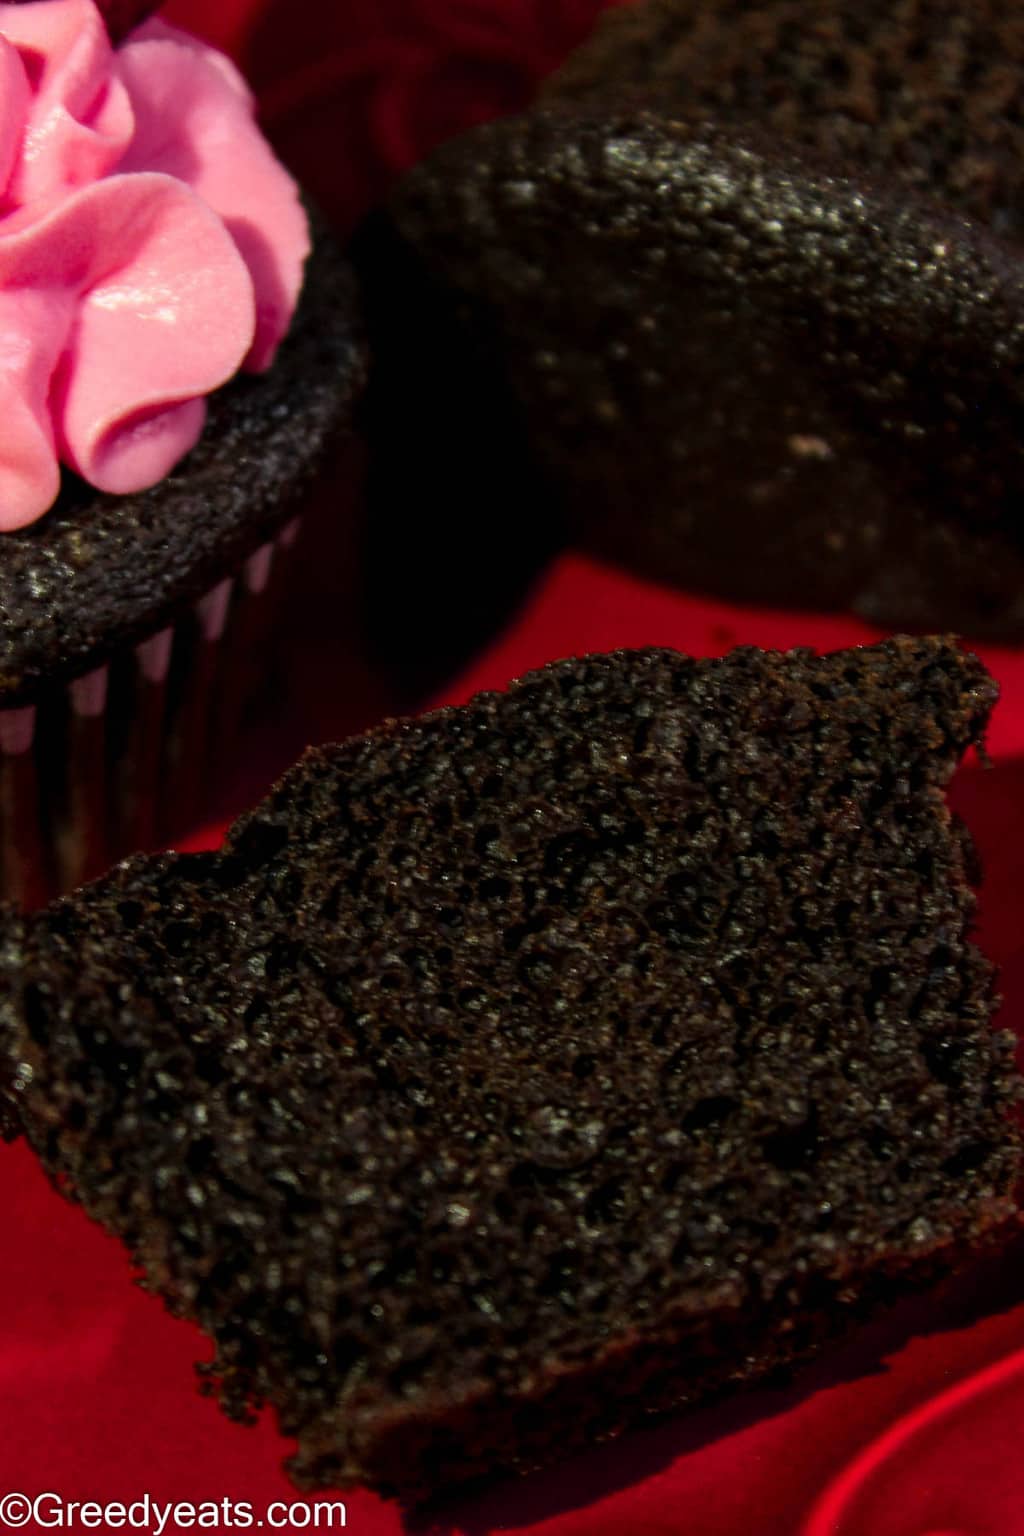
[[725, 362], [152, 249], [930, 91], [101, 571]]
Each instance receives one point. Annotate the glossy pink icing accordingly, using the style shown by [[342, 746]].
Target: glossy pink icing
[[150, 246]]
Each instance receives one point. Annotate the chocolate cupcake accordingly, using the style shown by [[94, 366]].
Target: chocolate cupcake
[[178, 377], [927, 93], [743, 305], [531, 1067]]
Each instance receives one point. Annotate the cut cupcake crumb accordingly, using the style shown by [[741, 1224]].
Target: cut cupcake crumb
[[523, 1070]]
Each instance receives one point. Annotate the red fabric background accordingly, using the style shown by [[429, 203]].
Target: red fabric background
[[909, 1430]]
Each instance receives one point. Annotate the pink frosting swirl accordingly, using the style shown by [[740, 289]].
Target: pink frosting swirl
[[150, 246]]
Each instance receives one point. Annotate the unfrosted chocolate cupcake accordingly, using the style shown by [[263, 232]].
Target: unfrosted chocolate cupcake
[[929, 93], [135, 618], [742, 304]]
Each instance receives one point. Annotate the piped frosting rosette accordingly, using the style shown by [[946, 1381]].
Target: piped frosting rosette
[[150, 247]]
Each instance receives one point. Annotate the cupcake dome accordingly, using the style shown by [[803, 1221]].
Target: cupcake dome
[[739, 307], [925, 92]]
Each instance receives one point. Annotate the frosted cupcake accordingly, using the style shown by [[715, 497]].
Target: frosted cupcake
[[179, 358]]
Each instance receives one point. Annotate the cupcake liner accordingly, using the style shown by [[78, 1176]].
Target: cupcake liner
[[125, 758]]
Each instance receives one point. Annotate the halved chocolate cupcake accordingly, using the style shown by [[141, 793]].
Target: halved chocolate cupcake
[[526, 1069]]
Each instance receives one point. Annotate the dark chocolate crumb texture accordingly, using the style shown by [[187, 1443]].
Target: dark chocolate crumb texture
[[928, 91], [526, 1069], [99, 572], [747, 298]]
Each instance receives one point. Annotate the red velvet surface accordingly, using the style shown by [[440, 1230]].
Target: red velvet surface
[[911, 1428]]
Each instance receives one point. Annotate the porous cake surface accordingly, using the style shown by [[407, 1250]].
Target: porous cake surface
[[539, 1064], [930, 92], [713, 358]]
